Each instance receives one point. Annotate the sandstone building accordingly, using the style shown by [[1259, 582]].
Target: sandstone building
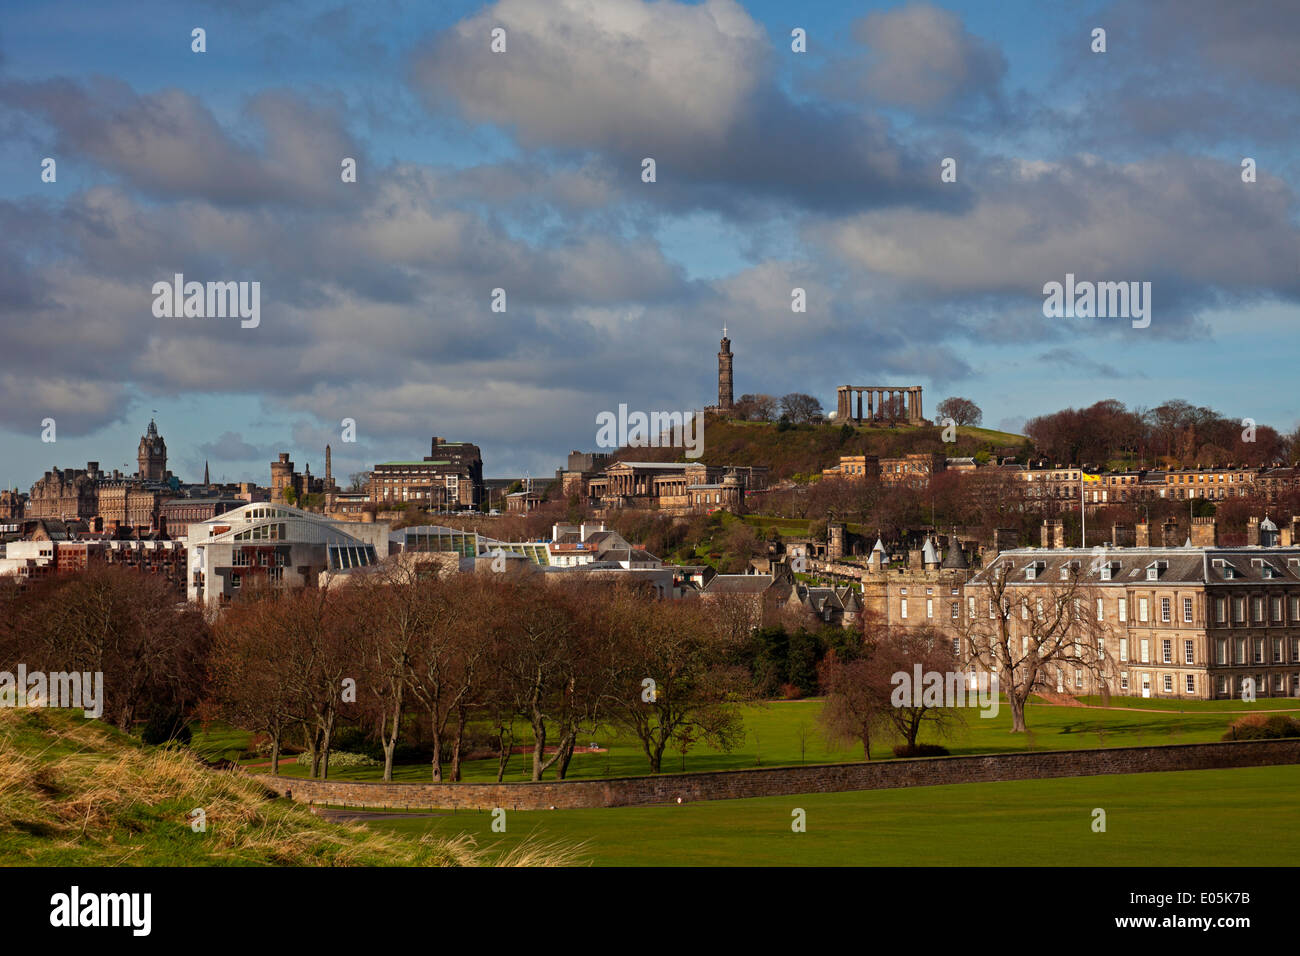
[[450, 478]]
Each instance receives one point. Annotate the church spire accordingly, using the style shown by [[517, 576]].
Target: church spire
[[206, 479]]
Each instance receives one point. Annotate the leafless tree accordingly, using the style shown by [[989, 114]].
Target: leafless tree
[[1032, 633]]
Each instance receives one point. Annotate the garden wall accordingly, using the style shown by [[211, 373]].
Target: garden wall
[[784, 781]]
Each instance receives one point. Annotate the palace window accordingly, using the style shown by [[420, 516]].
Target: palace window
[[1189, 652], [1187, 610]]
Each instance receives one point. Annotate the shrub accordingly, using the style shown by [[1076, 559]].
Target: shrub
[[1259, 727], [920, 750], [340, 759]]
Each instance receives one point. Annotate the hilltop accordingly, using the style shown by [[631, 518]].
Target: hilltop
[[801, 451]]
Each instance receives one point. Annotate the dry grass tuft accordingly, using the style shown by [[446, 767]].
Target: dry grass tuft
[[76, 792]]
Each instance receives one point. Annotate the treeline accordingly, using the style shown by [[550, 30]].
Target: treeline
[[1175, 433], [448, 668], [149, 644]]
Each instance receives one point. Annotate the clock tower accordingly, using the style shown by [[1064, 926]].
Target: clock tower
[[152, 455]]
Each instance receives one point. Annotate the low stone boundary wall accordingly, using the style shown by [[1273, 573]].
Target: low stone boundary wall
[[783, 781]]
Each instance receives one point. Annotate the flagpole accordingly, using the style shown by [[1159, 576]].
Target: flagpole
[[1083, 514]]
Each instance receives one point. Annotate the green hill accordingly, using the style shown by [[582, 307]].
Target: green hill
[[800, 451], [76, 792]]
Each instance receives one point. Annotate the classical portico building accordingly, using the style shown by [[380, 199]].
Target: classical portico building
[[676, 487], [872, 403]]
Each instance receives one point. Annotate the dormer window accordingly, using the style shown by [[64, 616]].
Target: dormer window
[[1031, 572]]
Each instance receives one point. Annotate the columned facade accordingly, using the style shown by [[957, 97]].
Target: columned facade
[[871, 403]]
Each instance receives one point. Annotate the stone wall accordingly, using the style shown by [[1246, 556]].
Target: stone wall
[[783, 781]]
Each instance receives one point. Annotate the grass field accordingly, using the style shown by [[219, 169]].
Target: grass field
[[1193, 818], [773, 733]]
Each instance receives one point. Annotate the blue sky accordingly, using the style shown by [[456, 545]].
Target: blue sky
[[521, 170]]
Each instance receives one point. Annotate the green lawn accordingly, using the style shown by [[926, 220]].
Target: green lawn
[[1198, 706], [1242, 817], [773, 732]]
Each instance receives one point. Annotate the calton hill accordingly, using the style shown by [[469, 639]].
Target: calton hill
[[797, 444]]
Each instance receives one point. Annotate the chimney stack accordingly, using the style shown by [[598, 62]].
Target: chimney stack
[[1169, 533], [1205, 533], [1252, 532], [1143, 534], [1053, 533]]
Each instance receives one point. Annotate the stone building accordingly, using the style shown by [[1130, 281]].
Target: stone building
[[926, 590], [878, 403], [676, 487], [285, 477], [450, 478], [578, 469], [13, 505], [1193, 621], [66, 494], [127, 503], [914, 470]]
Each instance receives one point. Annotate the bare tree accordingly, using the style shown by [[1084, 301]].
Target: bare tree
[[677, 686], [852, 705], [800, 408], [246, 685], [1033, 632], [892, 663], [961, 410]]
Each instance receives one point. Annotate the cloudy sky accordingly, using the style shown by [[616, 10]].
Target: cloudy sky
[[522, 171]]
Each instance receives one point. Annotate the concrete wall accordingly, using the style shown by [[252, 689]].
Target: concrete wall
[[782, 781]]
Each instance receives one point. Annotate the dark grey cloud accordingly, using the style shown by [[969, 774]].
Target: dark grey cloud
[[919, 57], [1075, 361], [230, 446], [1185, 73], [691, 86], [168, 144]]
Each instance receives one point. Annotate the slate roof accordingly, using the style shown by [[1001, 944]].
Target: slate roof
[[739, 584], [1128, 566]]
